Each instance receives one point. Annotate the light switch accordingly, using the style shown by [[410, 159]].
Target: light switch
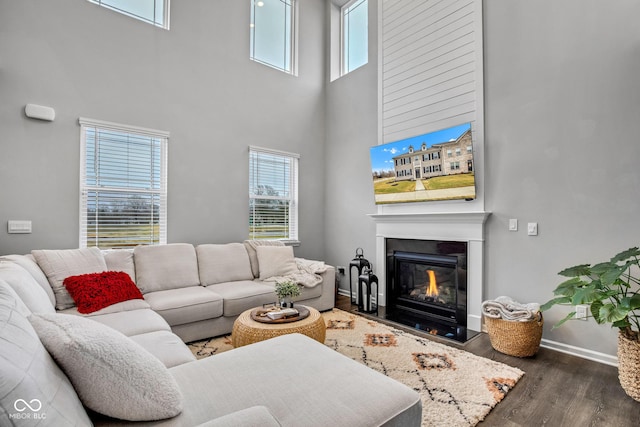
[[513, 224], [14, 226], [532, 229]]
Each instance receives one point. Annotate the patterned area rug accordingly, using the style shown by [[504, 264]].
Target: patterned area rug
[[457, 387]]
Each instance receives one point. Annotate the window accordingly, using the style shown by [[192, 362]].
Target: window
[[272, 33], [273, 194], [123, 185], [155, 12], [458, 151], [355, 35]]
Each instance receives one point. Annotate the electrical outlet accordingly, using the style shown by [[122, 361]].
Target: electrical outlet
[[582, 311], [340, 269]]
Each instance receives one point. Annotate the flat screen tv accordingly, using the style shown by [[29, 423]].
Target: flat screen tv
[[433, 166]]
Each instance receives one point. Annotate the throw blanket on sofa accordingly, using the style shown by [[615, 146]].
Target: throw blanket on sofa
[[508, 309], [308, 274]]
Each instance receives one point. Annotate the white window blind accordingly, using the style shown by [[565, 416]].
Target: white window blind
[[155, 12], [123, 185], [431, 66], [273, 194]]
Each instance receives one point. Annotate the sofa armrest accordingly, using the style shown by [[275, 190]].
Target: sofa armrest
[[253, 416], [328, 298]]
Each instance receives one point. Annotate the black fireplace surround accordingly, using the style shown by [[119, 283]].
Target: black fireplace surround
[[427, 286]]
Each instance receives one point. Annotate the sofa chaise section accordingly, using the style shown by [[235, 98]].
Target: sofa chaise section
[[298, 380]]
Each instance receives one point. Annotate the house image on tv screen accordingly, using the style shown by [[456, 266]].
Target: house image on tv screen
[[448, 158], [434, 166]]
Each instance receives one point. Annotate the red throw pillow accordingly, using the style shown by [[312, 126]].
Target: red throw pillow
[[95, 291]]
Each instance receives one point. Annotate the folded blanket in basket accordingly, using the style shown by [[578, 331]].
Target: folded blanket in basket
[[508, 309]]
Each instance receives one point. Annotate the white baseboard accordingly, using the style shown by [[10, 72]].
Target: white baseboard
[[580, 352], [344, 292]]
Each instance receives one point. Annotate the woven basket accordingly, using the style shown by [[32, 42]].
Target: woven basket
[[520, 339], [629, 366]]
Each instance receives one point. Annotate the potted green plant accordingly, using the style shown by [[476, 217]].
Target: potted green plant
[[612, 291], [286, 290]]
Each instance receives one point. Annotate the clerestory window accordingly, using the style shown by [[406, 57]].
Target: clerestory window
[[155, 12], [355, 35], [273, 35]]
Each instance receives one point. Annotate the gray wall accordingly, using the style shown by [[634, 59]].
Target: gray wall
[[195, 81], [562, 102], [352, 128], [562, 106]]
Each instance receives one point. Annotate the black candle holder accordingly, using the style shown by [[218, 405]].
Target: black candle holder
[[359, 262], [366, 281]]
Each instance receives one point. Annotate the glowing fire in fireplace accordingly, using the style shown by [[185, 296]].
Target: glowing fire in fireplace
[[432, 291]]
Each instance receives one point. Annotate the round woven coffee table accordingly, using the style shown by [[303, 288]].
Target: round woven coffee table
[[248, 331]]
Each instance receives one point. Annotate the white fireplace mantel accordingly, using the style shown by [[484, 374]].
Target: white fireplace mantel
[[448, 226]]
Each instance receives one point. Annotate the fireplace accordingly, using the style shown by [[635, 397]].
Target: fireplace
[[427, 285], [396, 223]]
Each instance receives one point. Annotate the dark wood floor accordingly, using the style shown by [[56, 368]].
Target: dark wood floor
[[556, 390]]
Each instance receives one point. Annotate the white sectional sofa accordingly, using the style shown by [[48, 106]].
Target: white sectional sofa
[[198, 291], [110, 367]]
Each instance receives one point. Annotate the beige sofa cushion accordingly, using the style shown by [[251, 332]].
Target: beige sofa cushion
[[132, 304], [253, 416], [57, 265], [163, 267], [251, 246], [243, 295], [223, 263], [29, 263], [185, 305], [166, 346], [276, 261], [113, 375], [29, 373], [121, 260], [134, 322], [31, 293]]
